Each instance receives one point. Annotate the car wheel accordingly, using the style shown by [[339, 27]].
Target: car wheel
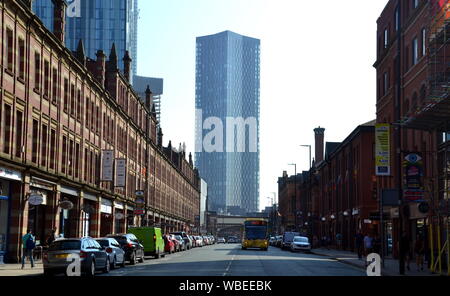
[[91, 270], [107, 266], [114, 263], [133, 258]]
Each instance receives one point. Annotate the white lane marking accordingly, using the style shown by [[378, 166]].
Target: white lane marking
[[229, 264]]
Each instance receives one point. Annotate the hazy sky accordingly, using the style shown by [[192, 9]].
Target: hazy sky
[[316, 69]]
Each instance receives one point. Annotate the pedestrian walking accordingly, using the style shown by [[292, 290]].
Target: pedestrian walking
[[419, 250], [368, 244], [28, 244], [406, 249], [359, 244]]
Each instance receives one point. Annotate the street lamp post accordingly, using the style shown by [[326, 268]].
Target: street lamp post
[[295, 192], [309, 183]]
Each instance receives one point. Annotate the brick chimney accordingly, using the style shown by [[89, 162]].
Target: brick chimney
[[319, 144], [59, 16], [148, 98], [127, 65], [100, 69]]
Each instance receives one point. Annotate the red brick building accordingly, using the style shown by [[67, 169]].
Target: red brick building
[[58, 111], [404, 74], [289, 201], [342, 186]]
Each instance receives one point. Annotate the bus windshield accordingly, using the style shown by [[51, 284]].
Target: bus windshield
[[255, 232]]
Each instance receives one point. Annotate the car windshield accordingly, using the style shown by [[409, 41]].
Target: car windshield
[[255, 232], [65, 245], [103, 242], [121, 239], [300, 239]]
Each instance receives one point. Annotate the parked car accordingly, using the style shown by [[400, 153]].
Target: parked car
[[232, 240], [93, 257], [115, 253], [187, 240], [198, 241], [177, 244], [151, 239], [134, 250], [221, 240], [182, 242], [193, 240], [272, 241], [206, 241], [213, 239], [288, 237], [169, 244], [279, 241], [300, 243]]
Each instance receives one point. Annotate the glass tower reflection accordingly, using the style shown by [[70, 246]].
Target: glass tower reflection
[[228, 85]]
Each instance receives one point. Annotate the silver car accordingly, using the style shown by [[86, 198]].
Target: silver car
[[60, 255], [300, 243], [115, 253]]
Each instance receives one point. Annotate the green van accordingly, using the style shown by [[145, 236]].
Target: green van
[[151, 239]]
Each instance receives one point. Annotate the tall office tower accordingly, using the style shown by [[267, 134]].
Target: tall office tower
[[99, 23], [140, 84], [228, 86]]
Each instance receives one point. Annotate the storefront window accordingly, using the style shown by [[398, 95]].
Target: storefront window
[[4, 208]]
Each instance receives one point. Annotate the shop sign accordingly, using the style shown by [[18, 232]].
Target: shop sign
[[118, 205], [139, 212], [120, 216], [106, 209], [140, 193], [2, 197], [382, 150], [107, 165], [413, 189], [121, 172], [66, 205], [367, 221], [36, 199], [10, 174]]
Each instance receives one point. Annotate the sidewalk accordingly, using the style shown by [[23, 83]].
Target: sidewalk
[[391, 266], [15, 270]]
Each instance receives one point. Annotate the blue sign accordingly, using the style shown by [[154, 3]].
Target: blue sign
[[2, 197]]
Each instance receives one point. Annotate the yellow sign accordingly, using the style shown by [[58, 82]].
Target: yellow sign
[[382, 150]]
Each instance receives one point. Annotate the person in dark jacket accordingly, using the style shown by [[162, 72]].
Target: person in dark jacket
[[52, 237], [359, 244], [28, 244]]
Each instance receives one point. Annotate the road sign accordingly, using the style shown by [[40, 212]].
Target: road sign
[[139, 193]]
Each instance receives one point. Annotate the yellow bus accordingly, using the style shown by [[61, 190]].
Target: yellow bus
[[256, 234]]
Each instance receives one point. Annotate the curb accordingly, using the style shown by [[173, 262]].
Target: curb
[[383, 273]]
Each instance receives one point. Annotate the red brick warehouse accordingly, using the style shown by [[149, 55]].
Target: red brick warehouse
[[58, 111]]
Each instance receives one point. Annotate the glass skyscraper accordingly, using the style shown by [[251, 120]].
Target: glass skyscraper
[[98, 23], [228, 86]]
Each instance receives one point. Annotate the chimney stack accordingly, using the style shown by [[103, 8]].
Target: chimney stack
[[148, 98], [59, 19], [127, 66], [160, 138], [319, 144], [101, 67]]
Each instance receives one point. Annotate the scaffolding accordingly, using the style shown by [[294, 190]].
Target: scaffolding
[[435, 113]]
